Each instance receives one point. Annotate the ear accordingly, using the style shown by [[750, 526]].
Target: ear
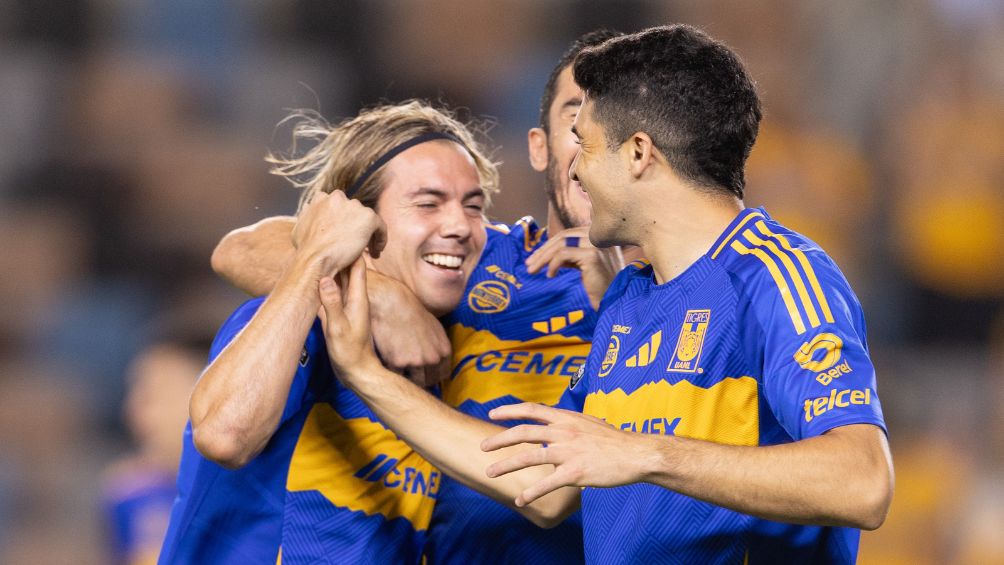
[[536, 140], [640, 152]]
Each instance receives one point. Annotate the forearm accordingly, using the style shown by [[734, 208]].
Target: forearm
[[842, 478], [238, 402], [253, 258], [451, 441]]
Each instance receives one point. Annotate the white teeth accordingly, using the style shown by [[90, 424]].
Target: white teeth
[[448, 261]]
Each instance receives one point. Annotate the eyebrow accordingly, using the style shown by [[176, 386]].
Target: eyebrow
[[440, 193], [574, 102]]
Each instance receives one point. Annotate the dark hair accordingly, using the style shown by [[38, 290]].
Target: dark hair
[[687, 91], [589, 39]]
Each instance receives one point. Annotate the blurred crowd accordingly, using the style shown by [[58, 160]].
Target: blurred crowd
[[131, 139]]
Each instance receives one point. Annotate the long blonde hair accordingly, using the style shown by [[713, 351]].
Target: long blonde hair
[[340, 154]]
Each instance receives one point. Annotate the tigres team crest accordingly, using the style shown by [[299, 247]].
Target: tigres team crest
[[691, 342], [489, 297], [610, 359]]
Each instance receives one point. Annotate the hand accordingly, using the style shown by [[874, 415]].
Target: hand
[[333, 230], [345, 317], [411, 341], [571, 248], [584, 450]]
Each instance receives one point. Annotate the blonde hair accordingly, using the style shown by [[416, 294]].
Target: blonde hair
[[342, 153]]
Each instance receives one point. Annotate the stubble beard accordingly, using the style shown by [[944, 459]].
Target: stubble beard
[[552, 182]]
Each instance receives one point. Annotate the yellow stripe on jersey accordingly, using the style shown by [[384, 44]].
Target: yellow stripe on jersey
[[358, 464], [502, 229], [734, 231], [782, 285], [809, 272], [726, 412], [487, 368], [803, 294]]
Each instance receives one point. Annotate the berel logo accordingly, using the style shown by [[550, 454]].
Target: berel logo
[[820, 353]]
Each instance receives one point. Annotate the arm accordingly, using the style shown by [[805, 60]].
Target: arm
[[253, 258], [447, 438], [841, 478], [409, 338], [238, 402]]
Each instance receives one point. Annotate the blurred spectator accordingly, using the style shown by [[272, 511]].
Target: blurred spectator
[[139, 489]]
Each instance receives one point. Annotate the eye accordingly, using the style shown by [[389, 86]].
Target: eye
[[426, 205]]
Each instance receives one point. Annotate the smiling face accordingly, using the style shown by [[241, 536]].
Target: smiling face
[[564, 195], [432, 203], [602, 174]]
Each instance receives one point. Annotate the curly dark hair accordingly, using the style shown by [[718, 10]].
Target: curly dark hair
[[589, 39], [687, 91]]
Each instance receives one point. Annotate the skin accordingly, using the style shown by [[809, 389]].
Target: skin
[[423, 349], [842, 478], [431, 203]]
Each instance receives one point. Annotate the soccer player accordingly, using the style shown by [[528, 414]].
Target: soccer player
[[519, 336], [281, 462], [729, 410]]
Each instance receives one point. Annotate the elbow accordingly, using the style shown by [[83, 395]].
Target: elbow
[[873, 502], [548, 514], [219, 261], [221, 448]]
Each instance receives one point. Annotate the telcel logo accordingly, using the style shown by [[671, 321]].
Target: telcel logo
[[837, 399]]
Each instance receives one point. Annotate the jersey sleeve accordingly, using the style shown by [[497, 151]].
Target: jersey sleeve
[[299, 388], [817, 373]]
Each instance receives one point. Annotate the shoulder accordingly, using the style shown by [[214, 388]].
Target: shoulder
[[780, 270], [524, 235]]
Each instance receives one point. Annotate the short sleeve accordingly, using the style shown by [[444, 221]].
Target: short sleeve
[[817, 373]]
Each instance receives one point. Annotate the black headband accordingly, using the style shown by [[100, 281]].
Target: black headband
[[351, 191]]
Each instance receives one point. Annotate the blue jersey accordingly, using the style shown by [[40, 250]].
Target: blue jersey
[[759, 342], [137, 503], [516, 337], [333, 485]]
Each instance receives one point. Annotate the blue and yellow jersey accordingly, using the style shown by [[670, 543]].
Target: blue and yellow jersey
[[333, 485], [137, 502], [759, 342], [516, 337]]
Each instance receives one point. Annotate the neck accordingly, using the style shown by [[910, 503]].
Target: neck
[[673, 237], [554, 224]]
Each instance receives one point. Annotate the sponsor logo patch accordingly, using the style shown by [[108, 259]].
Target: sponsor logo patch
[[488, 297], [610, 359]]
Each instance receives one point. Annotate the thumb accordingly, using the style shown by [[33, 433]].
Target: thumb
[[331, 300]]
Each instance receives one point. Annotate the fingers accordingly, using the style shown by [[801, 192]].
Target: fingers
[[558, 479], [357, 303], [527, 411], [379, 238], [526, 458], [331, 303]]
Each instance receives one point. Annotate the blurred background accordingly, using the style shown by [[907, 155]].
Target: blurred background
[[131, 139]]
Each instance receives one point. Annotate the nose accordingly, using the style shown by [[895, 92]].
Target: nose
[[572, 169], [455, 222]]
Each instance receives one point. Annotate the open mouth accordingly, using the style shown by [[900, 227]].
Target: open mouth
[[443, 261]]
